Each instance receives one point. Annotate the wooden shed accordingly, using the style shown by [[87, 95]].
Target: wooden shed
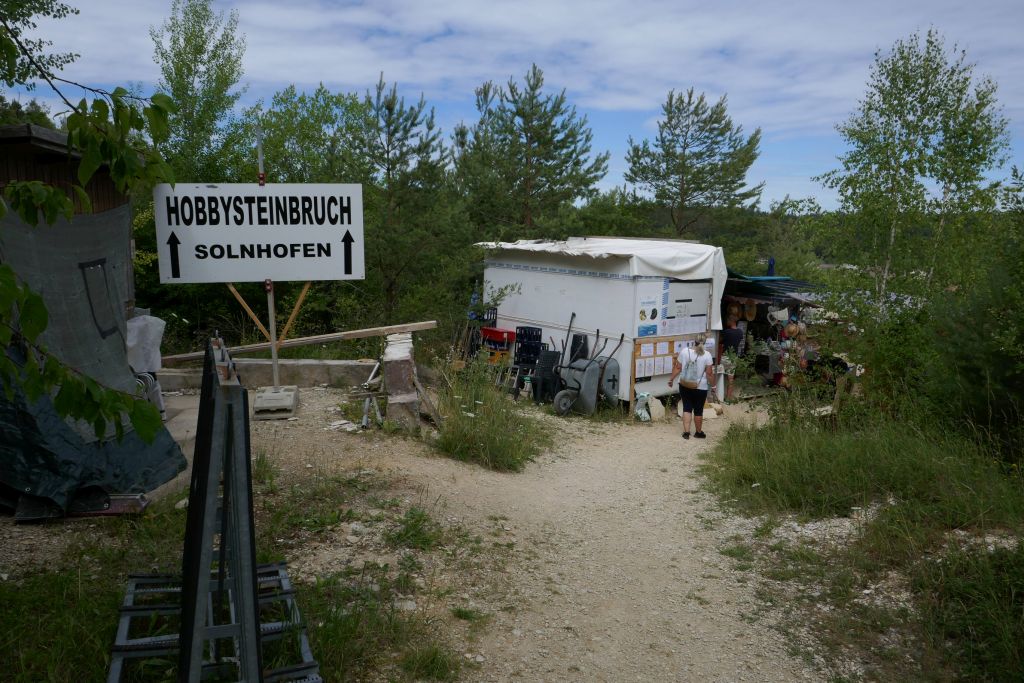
[[30, 152]]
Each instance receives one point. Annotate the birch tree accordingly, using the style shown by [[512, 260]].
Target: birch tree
[[921, 146]]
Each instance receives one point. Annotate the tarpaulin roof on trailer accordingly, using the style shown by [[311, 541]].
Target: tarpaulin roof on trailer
[[660, 258], [774, 287]]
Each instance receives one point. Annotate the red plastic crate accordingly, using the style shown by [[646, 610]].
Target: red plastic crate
[[498, 334]]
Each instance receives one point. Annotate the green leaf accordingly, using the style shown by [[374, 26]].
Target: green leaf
[[32, 384], [146, 420], [55, 204], [100, 109], [93, 391], [99, 425], [9, 291], [92, 159], [67, 398], [164, 102], [8, 376], [38, 192], [53, 371], [33, 317], [157, 119], [8, 59], [83, 198]]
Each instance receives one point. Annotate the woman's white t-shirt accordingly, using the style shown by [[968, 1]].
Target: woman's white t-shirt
[[703, 361]]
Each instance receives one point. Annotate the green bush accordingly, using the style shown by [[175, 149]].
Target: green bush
[[482, 424], [977, 374]]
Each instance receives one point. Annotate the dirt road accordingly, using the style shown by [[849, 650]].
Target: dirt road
[[616, 572]]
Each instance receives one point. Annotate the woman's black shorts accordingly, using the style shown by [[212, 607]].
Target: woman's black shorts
[[693, 400]]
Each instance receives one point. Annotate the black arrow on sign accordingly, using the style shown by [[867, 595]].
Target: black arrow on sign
[[347, 240], [173, 243]]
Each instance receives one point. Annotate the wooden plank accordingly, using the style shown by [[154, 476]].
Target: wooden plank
[[248, 310], [317, 339], [431, 410], [295, 312]]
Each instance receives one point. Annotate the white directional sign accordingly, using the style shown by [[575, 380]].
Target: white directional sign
[[248, 233]]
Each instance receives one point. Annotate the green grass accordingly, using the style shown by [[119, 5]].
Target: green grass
[[739, 551], [468, 614], [357, 628], [264, 471], [483, 425], [415, 530], [973, 599], [58, 625], [286, 514], [921, 484], [431, 663], [816, 472]]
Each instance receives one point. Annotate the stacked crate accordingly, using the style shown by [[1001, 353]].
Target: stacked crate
[[528, 346]]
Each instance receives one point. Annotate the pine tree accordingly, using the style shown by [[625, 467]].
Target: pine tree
[[529, 147], [698, 161]]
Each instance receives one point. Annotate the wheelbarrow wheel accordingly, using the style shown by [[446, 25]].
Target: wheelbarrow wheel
[[564, 400]]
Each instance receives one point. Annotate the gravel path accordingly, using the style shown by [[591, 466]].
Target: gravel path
[[606, 563], [616, 573]]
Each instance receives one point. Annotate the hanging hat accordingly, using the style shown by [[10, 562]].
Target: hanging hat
[[750, 311]]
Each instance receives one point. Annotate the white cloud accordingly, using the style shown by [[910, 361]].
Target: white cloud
[[794, 69]]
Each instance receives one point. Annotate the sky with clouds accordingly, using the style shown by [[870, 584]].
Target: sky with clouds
[[794, 68]]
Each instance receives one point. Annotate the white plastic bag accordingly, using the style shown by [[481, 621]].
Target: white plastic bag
[[641, 407]]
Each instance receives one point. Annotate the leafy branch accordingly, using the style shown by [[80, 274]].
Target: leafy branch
[[79, 396], [110, 131]]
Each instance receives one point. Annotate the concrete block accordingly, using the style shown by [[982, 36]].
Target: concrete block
[[258, 372], [400, 381]]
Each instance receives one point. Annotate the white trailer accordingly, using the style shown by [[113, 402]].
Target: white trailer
[[660, 294]]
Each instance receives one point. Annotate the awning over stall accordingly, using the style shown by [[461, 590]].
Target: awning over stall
[[769, 288]]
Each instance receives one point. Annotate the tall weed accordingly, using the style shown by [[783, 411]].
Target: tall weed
[[923, 481], [815, 471], [973, 602], [482, 424]]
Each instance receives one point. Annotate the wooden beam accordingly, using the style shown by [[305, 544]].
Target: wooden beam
[[317, 339], [248, 310], [295, 312]]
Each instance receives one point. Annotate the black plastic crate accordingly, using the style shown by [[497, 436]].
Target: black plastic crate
[[528, 334], [528, 352]]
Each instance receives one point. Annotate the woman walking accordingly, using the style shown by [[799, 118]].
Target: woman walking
[[695, 364]]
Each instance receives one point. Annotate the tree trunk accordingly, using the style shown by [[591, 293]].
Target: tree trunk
[[884, 286]]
